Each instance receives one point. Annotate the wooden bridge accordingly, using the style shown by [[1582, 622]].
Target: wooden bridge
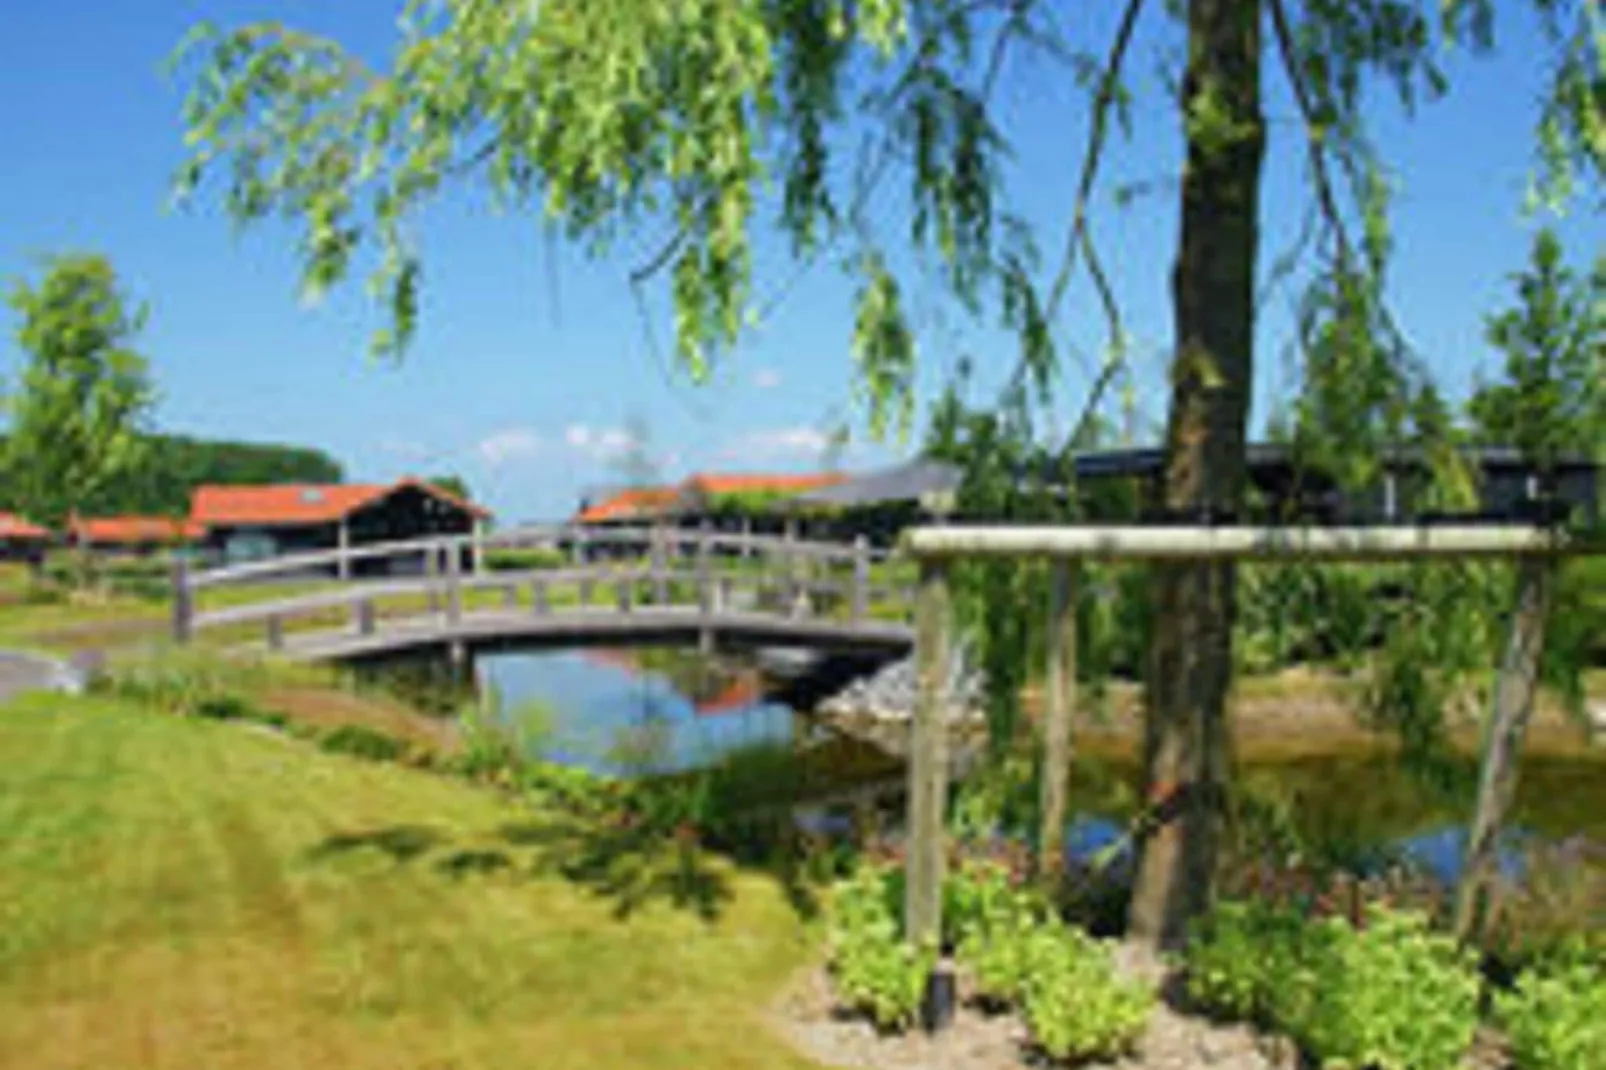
[[612, 587]]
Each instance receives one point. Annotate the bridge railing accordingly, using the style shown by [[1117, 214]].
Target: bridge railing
[[437, 580]]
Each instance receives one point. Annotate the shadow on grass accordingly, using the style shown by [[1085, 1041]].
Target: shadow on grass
[[630, 866], [403, 843], [633, 868]]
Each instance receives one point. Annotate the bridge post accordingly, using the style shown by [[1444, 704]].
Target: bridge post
[[432, 567], [660, 576], [861, 577], [275, 632], [1061, 685], [454, 587], [928, 759], [705, 589], [365, 616], [183, 600], [343, 544], [538, 599]]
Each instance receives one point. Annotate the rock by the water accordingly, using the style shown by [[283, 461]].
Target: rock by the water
[[889, 694]]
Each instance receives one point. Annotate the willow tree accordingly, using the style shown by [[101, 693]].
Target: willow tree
[[705, 116]]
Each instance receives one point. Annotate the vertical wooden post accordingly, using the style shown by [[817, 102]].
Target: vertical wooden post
[[343, 541], [861, 577], [928, 761], [1514, 692], [624, 580], [183, 600], [705, 591], [454, 583], [578, 547], [275, 633], [365, 616], [432, 568], [660, 573], [538, 599], [479, 546], [1061, 704]]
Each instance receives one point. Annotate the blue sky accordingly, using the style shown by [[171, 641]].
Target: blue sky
[[532, 360]]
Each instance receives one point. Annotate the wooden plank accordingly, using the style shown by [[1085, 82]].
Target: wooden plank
[[1117, 542], [335, 597], [1061, 685], [928, 763], [318, 559]]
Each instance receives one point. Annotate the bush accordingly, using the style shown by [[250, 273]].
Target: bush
[[510, 559], [226, 707], [1243, 959], [362, 742], [1076, 1006], [1555, 1017], [877, 972], [1392, 995]]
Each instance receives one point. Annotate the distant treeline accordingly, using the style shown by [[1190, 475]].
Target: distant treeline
[[172, 466]]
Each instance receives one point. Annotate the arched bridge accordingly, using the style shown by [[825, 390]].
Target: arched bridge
[[555, 587]]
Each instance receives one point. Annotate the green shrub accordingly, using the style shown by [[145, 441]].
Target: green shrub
[[1243, 958], [510, 559], [225, 707], [1076, 1006], [362, 742], [1555, 1017], [1393, 995], [877, 972]]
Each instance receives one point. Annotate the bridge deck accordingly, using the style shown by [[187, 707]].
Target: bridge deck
[[481, 629]]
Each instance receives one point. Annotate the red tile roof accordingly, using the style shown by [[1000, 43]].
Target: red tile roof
[[133, 530], [630, 505], [13, 526], [734, 484], [293, 504], [644, 503]]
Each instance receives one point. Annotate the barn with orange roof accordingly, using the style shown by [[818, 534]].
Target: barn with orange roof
[[242, 523]]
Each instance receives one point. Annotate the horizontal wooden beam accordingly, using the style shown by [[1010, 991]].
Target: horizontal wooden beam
[[1119, 542]]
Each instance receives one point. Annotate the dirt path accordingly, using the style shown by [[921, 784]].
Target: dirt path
[[29, 672]]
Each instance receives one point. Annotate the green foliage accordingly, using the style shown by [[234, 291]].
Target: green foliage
[[1249, 961], [523, 559], [362, 742], [1390, 994], [168, 468], [1077, 1007], [1555, 1017], [1393, 995], [877, 971], [452, 484], [84, 393]]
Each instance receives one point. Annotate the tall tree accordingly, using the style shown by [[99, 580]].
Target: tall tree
[[77, 413], [616, 114], [1551, 402], [451, 484]]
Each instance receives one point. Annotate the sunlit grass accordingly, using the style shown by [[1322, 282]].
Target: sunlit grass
[[177, 893]]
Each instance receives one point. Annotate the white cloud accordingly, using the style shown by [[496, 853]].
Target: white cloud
[[403, 449], [598, 443], [508, 444], [766, 378], [780, 442]]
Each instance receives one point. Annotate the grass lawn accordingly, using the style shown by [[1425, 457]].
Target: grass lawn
[[179, 893]]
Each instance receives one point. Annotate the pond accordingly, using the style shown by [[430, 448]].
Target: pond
[[642, 711]]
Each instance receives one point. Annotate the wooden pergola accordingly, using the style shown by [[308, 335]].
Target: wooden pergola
[[938, 548]]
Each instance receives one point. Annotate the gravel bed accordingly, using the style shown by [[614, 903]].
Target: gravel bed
[[807, 1016]]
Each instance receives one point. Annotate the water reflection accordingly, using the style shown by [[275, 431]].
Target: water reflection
[[608, 712]]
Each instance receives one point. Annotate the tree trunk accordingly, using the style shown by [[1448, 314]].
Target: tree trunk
[[1190, 662], [1508, 724]]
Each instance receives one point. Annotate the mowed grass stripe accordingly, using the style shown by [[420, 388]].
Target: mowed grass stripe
[[202, 894]]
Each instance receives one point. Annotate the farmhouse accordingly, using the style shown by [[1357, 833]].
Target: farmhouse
[[21, 540], [244, 523], [744, 502], [132, 536]]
